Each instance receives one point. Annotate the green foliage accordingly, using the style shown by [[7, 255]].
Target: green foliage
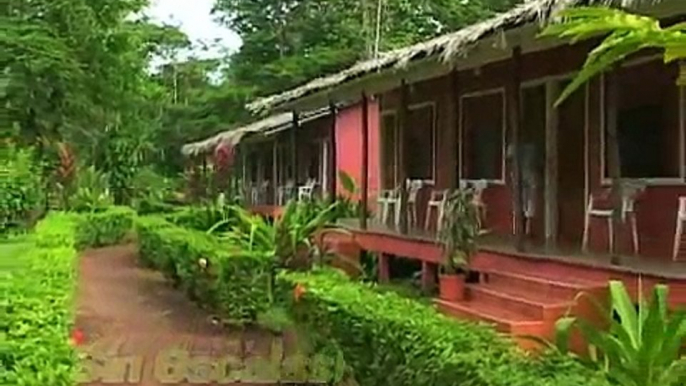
[[641, 347], [200, 217], [626, 34], [36, 308], [20, 188], [235, 284], [289, 239], [92, 192], [152, 192], [459, 230], [108, 227], [391, 340]]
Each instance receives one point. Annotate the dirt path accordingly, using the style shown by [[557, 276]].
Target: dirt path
[[137, 330]]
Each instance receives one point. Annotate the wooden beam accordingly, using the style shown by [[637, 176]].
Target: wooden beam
[[294, 147], [333, 156], [403, 111], [613, 160], [364, 200], [552, 92], [515, 116], [454, 128], [275, 172]]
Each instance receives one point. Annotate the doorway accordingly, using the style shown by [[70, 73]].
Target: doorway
[[571, 168], [532, 139]]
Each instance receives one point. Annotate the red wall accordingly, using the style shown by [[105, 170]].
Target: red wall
[[349, 146]]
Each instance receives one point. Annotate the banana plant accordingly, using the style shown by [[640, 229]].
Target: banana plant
[[641, 347]]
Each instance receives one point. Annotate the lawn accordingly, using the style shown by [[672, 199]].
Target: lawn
[[10, 253]]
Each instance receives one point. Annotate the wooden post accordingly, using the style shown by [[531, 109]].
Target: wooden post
[[333, 157], [294, 147], [551, 167], [402, 151], [364, 200], [275, 173], [613, 160], [514, 115], [455, 137]]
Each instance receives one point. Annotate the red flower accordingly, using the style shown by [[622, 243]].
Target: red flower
[[298, 291], [77, 338]]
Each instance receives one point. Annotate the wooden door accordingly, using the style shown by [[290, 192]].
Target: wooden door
[[571, 168]]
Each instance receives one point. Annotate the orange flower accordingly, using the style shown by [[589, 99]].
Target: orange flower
[[298, 291], [77, 338]]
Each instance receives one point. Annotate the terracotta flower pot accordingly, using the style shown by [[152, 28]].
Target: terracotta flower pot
[[451, 287]]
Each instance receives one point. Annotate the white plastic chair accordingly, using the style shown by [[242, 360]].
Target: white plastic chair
[[436, 205], [629, 194], [679, 231]]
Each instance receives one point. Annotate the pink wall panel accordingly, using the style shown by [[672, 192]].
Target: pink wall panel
[[349, 145]]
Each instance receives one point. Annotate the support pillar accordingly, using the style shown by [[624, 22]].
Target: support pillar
[[402, 151], [428, 277], [514, 115], [384, 268], [294, 147], [333, 156], [551, 167], [364, 200]]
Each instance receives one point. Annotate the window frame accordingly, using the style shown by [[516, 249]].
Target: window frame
[[462, 130], [605, 181]]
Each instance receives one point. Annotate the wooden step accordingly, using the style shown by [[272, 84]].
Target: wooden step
[[548, 288], [503, 319], [487, 261], [520, 301]]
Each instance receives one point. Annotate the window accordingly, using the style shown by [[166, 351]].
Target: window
[[421, 142], [482, 134], [389, 147], [647, 122]]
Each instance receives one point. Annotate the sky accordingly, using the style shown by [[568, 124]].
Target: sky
[[194, 19]]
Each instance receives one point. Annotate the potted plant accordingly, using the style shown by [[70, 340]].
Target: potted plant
[[458, 234]]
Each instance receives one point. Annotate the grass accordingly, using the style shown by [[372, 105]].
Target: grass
[[10, 252]]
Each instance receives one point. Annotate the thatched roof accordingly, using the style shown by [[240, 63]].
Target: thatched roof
[[447, 48], [267, 126]]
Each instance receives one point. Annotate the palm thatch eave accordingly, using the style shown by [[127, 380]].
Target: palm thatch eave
[[447, 48]]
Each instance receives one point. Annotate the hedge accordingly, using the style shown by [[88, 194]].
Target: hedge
[[390, 340], [236, 286], [108, 227], [37, 301]]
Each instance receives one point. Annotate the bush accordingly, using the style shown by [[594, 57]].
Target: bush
[[20, 188], [109, 227], [237, 286], [391, 340], [198, 217], [36, 308]]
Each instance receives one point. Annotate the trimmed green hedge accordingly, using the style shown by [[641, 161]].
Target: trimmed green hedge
[[37, 296], [36, 308], [238, 287], [391, 340], [108, 227]]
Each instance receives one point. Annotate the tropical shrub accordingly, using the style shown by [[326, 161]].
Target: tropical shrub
[[200, 217], [391, 340], [289, 240], [36, 307], [459, 231], [108, 227], [235, 284], [641, 347], [91, 192], [20, 188], [152, 192]]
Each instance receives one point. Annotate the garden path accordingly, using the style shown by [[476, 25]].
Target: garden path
[[134, 329]]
